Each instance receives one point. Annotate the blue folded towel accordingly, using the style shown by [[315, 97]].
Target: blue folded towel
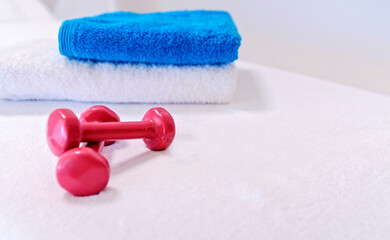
[[180, 38]]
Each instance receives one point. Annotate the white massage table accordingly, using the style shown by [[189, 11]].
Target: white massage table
[[292, 157]]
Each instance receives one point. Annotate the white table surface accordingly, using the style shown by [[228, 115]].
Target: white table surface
[[291, 157]]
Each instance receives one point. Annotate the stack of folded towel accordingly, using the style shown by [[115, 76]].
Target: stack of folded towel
[[169, 57]]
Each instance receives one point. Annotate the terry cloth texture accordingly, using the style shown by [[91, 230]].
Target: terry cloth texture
[[180, 38], [292, 157], [35, 70]]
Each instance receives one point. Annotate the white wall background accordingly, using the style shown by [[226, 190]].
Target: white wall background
[[340, 40]]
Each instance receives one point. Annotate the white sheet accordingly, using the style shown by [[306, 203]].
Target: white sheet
[[290, 157]]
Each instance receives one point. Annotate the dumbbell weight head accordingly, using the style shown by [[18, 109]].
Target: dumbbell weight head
[[165, 128], [63, 131], [83, 170]]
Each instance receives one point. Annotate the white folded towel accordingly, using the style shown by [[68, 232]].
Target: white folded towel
[[36, 70]]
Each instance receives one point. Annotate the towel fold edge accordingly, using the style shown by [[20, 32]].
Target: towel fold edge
[[65, 38]]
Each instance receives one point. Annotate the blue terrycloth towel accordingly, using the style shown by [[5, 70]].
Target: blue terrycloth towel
[[180, 38]]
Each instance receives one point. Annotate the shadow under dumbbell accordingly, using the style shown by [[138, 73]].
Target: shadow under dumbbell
[[134, 161], [109, 150], [107, 195]]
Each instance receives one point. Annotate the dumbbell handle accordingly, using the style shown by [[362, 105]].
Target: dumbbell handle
[[97, 146], [103, 131]]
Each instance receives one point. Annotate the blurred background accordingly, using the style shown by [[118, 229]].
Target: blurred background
[[338, 40]]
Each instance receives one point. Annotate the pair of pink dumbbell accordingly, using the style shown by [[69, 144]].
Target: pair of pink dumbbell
[[81, 169]]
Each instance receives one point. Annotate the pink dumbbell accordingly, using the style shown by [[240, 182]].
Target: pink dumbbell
[[83, 170], [99, 113], [65, 131]]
